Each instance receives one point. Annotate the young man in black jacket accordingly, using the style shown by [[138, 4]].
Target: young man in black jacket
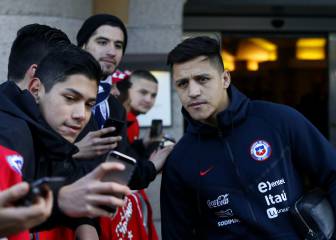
[[43, 133]]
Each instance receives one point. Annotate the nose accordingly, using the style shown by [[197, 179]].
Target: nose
[[79, 112], [111, 50], [194, 89], [148, 98]]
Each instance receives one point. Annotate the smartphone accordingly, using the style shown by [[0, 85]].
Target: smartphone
[[166, 141], [111, 122], [122, 177], [156, 128], [38, 188]]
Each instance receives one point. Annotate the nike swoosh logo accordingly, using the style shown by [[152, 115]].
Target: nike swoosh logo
[[205, 172]]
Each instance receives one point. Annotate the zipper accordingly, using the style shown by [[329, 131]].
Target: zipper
[[310, 231], [239, 177]]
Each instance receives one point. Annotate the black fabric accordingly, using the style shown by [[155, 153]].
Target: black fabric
[[45, 152], [92, 23]]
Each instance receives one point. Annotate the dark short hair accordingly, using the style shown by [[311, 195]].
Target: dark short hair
[[137, 74], [91, 24], [32, 43], [62, 63], [195, 47]]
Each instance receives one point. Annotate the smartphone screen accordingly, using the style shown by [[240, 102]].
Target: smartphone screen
[[111, 122], [156, 128]]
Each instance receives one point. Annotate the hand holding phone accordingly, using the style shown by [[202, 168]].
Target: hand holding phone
[[117, 124], [38, 188]]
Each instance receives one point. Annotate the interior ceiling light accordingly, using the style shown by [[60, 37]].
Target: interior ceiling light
[[310, 48], [228, 60], [257, 49]]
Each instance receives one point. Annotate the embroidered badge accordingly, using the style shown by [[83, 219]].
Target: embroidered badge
[[16, 162], [260, 150]]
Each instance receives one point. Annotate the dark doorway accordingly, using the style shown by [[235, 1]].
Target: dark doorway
[[287, 77]]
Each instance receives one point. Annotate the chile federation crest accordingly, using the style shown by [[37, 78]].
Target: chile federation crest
[[260, 150]]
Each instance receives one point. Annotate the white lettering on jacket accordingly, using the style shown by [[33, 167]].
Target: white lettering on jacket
[[267, 186], [220, 201]]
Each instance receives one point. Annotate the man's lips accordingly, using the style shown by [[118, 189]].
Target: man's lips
[[73, 129], [196, 104], [108, 60]]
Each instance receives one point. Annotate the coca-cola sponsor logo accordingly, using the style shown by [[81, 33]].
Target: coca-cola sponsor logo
[[220, 201]]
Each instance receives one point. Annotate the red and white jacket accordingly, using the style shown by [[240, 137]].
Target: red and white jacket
[[10, 171]]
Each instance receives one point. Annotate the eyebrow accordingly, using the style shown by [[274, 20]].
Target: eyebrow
[[109, 40], [74, 91], [197, 76], [102, 38]]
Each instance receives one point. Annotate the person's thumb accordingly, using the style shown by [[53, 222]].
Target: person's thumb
[[13, 194]]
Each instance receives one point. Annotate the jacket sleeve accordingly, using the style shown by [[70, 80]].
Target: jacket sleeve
[[313, 154], [178, 207]]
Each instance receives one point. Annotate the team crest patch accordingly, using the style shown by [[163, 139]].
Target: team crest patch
[[260, 150], [16, 162]]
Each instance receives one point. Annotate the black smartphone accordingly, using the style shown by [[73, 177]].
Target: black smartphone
[[122, 177], [111, 122], [156, 128], [38, 188]]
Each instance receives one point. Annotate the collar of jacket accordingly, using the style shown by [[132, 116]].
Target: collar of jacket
[[231, 117], [21, 104]]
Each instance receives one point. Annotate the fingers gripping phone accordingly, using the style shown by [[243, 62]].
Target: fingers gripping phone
[[156, 128], [38, 188], [121, 177], [117, 124]]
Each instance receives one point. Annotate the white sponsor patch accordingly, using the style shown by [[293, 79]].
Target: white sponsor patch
[[16, 162]]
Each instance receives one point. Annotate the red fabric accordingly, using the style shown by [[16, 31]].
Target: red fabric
[[118, 75], [10, 171], [128, 222], [133, 128], [57, 233]]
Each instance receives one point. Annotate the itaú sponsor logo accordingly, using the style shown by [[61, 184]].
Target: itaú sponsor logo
[[272, 199], [267, 186], [220, 201]]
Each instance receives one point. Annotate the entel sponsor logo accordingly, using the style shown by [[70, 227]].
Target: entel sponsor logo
[[220, 201], [273, 212], [267, 186]]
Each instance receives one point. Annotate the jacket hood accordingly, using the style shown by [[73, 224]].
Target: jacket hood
[[232, 116], [21, 104]]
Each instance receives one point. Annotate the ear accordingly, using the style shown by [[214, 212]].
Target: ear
[[226, 79], [35, 87], [30, 73]]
